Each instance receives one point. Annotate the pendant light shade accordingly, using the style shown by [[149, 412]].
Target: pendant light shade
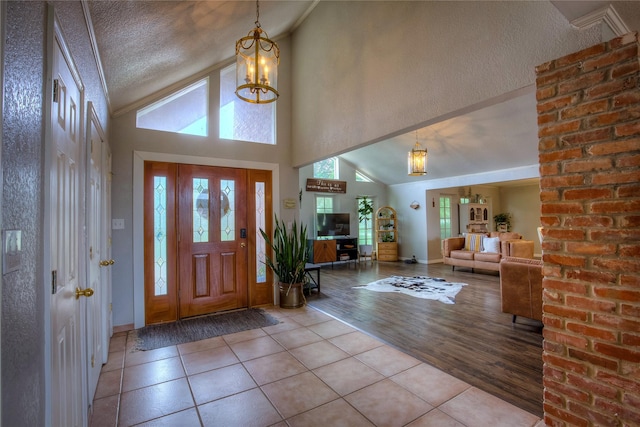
[[417, 164], [257, 59]]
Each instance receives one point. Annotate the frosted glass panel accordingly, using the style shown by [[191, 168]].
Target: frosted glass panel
[[227, 211], [261, 268], [160, 234], [200, 210]]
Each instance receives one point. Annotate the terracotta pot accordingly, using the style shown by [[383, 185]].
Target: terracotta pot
[[291, 297]]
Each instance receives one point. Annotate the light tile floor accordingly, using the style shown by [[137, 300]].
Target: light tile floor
[[308, 370]]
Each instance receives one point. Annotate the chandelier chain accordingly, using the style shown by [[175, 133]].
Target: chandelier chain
[[257, 14]]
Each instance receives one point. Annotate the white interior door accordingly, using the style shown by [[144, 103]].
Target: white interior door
[[96, 260], [68, 396], [107, 320]]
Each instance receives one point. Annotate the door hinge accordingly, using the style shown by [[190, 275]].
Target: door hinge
[[110, 307], [93, 360], [54, 281], [56, 90]]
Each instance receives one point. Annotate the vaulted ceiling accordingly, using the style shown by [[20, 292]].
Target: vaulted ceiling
[[146, 47]]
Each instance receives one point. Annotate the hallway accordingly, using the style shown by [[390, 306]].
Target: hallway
[[309, 370]]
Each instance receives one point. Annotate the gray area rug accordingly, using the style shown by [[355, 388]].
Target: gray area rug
[[199, 328], [418, 286]]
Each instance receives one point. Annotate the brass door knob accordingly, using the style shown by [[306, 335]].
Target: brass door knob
[[104, 263], [83, 292], [111, 262]]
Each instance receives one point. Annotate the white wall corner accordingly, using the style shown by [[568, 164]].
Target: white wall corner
[[606, 15]]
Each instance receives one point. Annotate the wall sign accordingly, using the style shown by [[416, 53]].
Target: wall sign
[[326, 185]]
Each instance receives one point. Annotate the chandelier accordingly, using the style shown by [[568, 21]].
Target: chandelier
[[257, 60], [417, 160]]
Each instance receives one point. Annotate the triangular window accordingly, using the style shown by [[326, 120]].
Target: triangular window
[[360, 177], [185, 111]]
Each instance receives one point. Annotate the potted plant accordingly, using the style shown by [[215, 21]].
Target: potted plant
[[365, 209], [290, 254], [503, 221]]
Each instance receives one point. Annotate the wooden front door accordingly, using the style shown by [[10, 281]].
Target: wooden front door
[[203, 249], [212, 246]]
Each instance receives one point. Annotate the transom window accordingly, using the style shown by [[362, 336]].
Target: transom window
[[241, 120], [360, 177], [327, 169], [185, 111]]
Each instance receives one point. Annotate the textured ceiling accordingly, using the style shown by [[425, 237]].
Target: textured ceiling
[[148, 46]]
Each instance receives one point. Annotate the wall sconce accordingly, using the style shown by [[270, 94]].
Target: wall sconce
[[414, 205]]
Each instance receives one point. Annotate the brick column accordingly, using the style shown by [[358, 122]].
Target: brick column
[[589, 150]]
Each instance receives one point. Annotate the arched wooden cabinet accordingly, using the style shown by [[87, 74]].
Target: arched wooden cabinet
[[386, 234], [475, 217]]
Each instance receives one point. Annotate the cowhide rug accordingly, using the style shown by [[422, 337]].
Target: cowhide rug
[[418, 286]]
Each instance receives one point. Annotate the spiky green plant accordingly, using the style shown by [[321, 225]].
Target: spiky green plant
[[290, 252]]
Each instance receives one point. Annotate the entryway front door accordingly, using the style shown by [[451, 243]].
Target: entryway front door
[[212, 242], [197, 240]]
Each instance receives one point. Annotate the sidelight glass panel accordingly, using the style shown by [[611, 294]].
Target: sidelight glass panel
[[261, 268], [200, 210], [227, 211], [160, 234]]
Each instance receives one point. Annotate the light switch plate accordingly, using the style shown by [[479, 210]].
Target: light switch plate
[[117, 224], [11, 250]]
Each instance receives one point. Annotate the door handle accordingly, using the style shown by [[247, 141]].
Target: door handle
[[111, 262], [242, 245], [104, 263], [83, 292]]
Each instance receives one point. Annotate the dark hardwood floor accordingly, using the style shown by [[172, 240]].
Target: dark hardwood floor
[[471, 339]]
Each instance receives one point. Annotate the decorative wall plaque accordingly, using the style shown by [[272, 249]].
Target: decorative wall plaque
[[326, 185]]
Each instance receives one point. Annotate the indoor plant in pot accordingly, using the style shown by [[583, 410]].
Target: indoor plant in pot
[[290, 254], [365, 209], [503, 221]]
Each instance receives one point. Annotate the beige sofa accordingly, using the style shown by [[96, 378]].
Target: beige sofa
[[458, 252]]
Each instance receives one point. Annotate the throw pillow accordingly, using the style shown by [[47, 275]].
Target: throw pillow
[[473, 242], [491, 244]]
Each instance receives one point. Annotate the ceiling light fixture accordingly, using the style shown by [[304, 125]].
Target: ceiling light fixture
[[257, 60], [417, 160]]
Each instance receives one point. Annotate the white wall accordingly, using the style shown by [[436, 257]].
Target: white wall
[[344, 203], [364, 70]]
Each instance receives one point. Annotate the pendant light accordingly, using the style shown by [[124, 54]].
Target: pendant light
[[257, 59], [417, 160]]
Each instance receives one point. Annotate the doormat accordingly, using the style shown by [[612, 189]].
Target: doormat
[[199, 328], [418, 286]]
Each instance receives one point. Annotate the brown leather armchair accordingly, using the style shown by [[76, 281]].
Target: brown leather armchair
[[521, 287]]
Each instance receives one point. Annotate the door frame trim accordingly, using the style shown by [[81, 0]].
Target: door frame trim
[[139, 157]]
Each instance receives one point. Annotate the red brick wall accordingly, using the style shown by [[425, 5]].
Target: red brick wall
[[589, 149]]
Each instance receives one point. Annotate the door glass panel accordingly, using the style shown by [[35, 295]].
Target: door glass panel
[[160, 234], [261, 268], [227, 213], [200, 210]]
